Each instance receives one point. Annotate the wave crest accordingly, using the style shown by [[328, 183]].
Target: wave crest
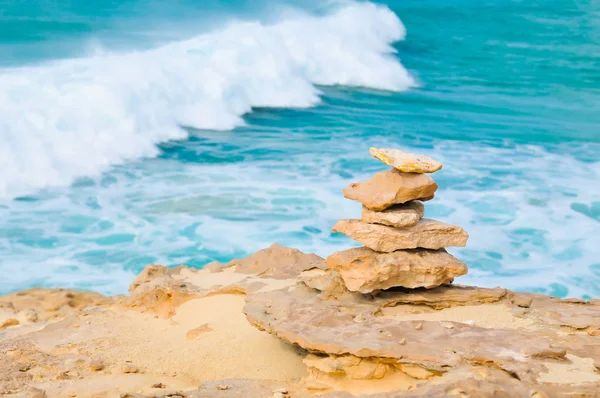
[[77, 117]]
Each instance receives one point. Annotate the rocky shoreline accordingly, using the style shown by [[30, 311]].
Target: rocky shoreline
[[383, 320]]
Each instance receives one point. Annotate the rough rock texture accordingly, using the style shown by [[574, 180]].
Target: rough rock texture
[[404, 215], [277, 262], [327, 281], [376, 338], [404, 161], [427, 234], [161, 290], [449, 341], [124, 347], [443, 297], [37, 305], [388, 188], [364, 270]]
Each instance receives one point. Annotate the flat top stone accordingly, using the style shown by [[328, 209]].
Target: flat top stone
[[405, 161], [427, 234]]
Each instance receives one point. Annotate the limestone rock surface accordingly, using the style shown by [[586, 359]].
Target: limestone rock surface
[[426, 343], [277, 262], [364, 270], [404, 215], [36, 304], [446, 341], [427, 234], [405, 161], [391, 187]]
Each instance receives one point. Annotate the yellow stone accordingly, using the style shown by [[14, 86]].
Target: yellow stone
[[405, 161]]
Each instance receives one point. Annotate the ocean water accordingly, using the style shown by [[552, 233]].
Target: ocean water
[[146, 131]]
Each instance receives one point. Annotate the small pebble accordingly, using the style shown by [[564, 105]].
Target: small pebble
[[419, 326], [222, 387], [447, 325], [359, 318], [31, 315], [129, 368], [24, 367], [158, 385], [402, 341], [8, 323], [96, 365]]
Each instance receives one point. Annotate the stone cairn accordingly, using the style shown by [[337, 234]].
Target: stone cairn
[[401, 249]]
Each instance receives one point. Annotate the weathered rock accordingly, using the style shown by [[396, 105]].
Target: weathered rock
[[572, 315], [47, 304], [391, 187], [364, 270], [404, 215], [161, 289], [158, 289], [405, 161], [442, 297], [214, 266], [277, 262], [427, 234], [326, 281], [354, 326], [96, 365], [8, 323]]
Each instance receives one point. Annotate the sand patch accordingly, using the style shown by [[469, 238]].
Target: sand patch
[[485, 316], [578, 370], [228, 347]]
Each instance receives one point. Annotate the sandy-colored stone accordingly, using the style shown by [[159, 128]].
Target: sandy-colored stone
[[441, 342], [573, 315], [404, 215], [96, 365], [326, 281], [8, 323], [354, 325], [405, 161], [391, 187], [427, 234], [277, 262], [364, 270], [442, 297], [35, 305]]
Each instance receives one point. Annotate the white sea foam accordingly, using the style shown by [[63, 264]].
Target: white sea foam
[[77, 117], [514, 202]]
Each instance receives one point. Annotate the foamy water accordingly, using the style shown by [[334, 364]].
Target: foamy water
[[216, 146]]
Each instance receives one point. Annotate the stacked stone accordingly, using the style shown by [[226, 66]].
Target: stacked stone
[[402, 249]]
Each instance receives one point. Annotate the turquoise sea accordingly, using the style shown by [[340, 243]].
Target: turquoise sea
[[182, 132]]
